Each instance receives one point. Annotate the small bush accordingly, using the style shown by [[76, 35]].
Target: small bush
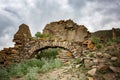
[[32, 73], [56, 63], [18, 70], [95, 40], [34, 63], [50, 64], [98, 46], [49, 53], [40, 35]]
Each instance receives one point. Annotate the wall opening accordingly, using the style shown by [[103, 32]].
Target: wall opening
[[53, 52]]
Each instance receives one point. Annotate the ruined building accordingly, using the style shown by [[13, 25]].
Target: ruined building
[[67, 30], [67, 33]]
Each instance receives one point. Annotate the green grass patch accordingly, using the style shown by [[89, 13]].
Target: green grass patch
[[41, 35], [4, 75], [29, 69]]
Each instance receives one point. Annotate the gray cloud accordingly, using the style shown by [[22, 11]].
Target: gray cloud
[[94, 14], [5, 22], [77, 4]]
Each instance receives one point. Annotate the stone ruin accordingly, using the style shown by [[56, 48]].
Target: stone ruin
[[12, 54], [67, 30], [22, 34], [68, 35]]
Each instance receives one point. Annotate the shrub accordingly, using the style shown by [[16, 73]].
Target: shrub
[[34, 63], [95, 40], [50, 64], [18, 70], [32, 73], [49, 53], [56, 63], [40, 35]]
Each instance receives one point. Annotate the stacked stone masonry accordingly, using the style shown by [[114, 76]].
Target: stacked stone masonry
[[70, 36]]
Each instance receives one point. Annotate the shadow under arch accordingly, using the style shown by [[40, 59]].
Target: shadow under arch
[[46, 47]]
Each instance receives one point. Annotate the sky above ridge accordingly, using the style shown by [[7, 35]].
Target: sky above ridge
[[94, 14]]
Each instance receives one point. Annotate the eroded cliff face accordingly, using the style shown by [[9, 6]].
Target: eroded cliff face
[[67, 30]]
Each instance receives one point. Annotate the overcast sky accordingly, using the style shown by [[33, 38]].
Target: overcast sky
[[94, 14]]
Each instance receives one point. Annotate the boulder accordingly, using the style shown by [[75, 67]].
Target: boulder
[[92, 72], [115, 69], [114, 58]]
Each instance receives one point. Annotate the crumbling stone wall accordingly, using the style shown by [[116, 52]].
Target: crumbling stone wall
[[13, 54], [67, 30]]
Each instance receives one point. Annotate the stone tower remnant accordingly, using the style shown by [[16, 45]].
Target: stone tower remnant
[[22, 34]]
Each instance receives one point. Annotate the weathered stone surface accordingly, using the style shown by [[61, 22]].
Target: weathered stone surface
[[114, 58], [90, 44], [92, 72], [90, 78], [22, 34], [67, 30], [115, 69], [106, 55], [14, 51], [88, 63], [99, 54]]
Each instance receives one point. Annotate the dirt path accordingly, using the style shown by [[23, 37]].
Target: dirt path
[[62, 74]]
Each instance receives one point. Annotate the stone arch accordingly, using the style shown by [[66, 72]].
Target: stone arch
[[46, 47], [35, 46]]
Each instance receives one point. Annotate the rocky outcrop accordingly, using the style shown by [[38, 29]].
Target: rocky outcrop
[[67, 30], [22, 34]]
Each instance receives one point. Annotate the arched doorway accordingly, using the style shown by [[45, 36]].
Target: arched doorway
[[53, 52]]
